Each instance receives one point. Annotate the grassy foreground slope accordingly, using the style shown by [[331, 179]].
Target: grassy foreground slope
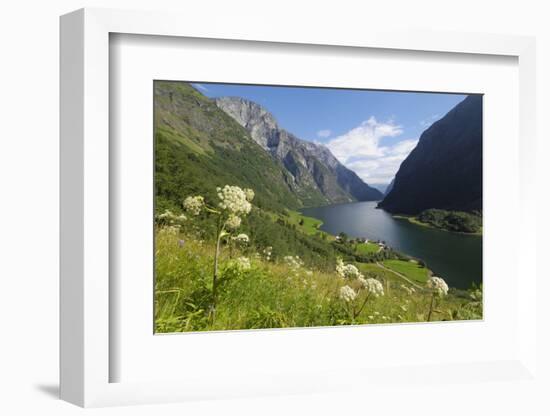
[[277, 293]]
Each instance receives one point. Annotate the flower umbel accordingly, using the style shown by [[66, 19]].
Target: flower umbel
[[347, 294], [243, 263], [233, 222], [193, 204], [372, 286], [241, 238], [348, 271], [234, 200], [249, 194], [438, 285]]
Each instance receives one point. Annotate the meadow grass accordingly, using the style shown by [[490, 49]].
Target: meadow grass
[[367, 248], [410, 268], [309, 225], [273, 293]]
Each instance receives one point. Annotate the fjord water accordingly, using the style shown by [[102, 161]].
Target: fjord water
[[457, 258]]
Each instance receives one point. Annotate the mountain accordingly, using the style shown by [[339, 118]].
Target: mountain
[[313, 167], [199, 147], [445, 169]]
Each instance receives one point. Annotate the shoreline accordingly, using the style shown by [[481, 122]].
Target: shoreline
[[412, 219]]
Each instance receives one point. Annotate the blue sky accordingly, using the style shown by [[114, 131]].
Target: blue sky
[[371, 132]]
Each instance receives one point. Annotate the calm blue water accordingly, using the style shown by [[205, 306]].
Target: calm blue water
[[457, 258]]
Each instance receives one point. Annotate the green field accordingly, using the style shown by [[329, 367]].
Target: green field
[[410, 269], [309, 225], [367, 248]]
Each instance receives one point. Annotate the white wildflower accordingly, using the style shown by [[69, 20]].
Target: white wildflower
[[373, 286], [234, 200], [166, 215], [294, 262], [181, 217], [172, 229], [243, 263], [241, 238], [193, 204], [233, 222], [347, 294], [348, 271], [249, 194], [267, 252], [438, 285]]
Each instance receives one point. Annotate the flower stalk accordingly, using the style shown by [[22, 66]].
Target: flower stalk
[[234, 203], [438, 287]]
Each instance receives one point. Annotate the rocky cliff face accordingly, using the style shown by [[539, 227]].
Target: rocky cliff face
[[445, 169], [313, 167]]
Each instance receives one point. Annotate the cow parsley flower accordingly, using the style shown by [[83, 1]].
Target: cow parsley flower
[[172, 229], [234, 200], [233, 222], [348, 271], [242, 263], [438, 285], [267, 252], [241, 238], [165, 215], [372, 286], [347, 294], [249, 194], [193, 204], [294, 262]]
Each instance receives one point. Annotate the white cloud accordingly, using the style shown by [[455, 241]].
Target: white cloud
[[324, 133], [429, 121], [200, 87], [360, 149]]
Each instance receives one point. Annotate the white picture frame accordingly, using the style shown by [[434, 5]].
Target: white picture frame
[[86, 356]]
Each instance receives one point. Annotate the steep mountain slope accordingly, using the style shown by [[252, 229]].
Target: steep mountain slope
[[198, 147], [445, 169], [313, 167]]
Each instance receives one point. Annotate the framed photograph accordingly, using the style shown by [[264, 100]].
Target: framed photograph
[[236, 209], [257, 228]]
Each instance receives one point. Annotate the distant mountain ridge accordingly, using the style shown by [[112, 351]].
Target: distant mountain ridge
[[444, 170], [313, 167]]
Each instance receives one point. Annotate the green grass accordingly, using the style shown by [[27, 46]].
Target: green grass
[[410, 269], [272, 294], [366, 248], [309, 225]]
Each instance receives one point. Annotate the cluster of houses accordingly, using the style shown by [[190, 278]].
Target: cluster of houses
[[381, 244]]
